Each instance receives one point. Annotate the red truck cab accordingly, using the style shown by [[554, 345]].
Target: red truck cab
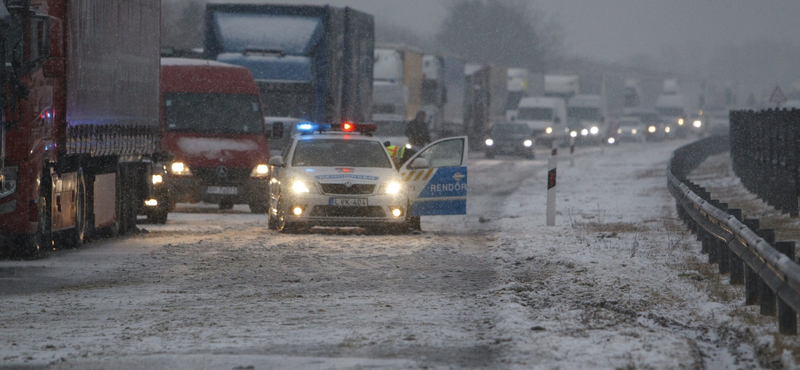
[[213, 125]]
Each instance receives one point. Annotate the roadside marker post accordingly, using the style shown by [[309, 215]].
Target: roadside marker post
[[552, 163]]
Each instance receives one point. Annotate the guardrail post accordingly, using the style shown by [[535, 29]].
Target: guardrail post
[[724, 254], [787, 317], [766, 295], [736, 263], [750, 276]]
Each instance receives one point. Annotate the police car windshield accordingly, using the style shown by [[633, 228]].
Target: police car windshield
[[340, 153]]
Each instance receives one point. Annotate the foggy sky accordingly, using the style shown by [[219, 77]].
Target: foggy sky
[[616, 30]]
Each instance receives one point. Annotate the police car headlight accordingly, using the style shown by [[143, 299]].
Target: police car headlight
[[260, 171], [594, 130], [299, 187], [408, 146], [489, 142], [393, 188], [180, 169], [528, 143]]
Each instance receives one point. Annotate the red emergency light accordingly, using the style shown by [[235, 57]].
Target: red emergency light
[[355, 127]]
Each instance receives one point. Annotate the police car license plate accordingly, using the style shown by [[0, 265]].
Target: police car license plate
[[349, 202], [222, 190]]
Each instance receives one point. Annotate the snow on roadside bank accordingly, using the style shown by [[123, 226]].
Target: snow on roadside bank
[[613, 285]]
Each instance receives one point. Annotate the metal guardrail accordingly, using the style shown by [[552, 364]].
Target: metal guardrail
[[765, 151], [749, 254]]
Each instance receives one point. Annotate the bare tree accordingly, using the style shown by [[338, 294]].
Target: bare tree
[[510, 32]]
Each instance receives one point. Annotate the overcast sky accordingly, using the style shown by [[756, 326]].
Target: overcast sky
[[615, 30]]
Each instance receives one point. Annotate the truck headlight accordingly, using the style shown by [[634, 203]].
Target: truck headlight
[[180, 169], [594, 130], [157, 179], [393, 188], [548, 130], [573, 134], [260, 171], [652, 129], [667, 129], [299, 187], [489, 142], [584, 132], [697, 123], [680, 121], [528, 143]]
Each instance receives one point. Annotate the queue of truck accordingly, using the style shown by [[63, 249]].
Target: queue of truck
[[97, 128]]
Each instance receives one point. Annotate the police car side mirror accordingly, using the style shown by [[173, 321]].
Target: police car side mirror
[[276, 161], [419, 163]]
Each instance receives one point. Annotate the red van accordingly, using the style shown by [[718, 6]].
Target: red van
[[213, 125]]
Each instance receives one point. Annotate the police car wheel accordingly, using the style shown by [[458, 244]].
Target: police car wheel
[[283, 225]]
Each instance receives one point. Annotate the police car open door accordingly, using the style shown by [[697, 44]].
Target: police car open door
[[436, 178]]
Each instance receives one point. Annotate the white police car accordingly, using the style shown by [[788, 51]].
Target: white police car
[[343, 176]]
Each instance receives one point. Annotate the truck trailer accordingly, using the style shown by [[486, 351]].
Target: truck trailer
[[397, 90], [310, 62], [80, 116]]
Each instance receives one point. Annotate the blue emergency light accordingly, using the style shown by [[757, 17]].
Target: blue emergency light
[[308, 127]]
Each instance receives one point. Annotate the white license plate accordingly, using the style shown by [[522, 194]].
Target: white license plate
[[349, 202], [222, 190]]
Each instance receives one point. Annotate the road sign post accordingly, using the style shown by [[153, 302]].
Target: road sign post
[[552, 163]]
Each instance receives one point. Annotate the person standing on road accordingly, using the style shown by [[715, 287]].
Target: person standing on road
[[417, 131]]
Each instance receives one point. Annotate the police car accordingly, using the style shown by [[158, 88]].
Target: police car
[[340, 175]]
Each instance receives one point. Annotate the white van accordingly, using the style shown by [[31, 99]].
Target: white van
[[547, 117]]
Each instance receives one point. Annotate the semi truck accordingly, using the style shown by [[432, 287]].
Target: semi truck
[[213, 127], [310, 62], [434, 92], [81, 120], [671, 108], [397, 90], [517, 87]]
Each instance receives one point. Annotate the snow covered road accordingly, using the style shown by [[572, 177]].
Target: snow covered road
[[617, 284]]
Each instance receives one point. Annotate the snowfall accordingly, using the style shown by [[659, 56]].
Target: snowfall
[[618, 283]]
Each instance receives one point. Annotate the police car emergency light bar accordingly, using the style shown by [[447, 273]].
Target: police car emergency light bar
[[309, 127]]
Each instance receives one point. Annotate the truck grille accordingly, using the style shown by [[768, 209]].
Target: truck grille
[[211, 176], [356, 189], [338, 211]]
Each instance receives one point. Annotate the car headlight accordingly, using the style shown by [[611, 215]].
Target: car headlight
[[489, 142], [697, 123], [548, 130], [408, 146], [651, 129], [594, 130], [393, 188], [680, 121], [299, 187], [260, 171], [611, 140], [180, 169], [667, 129], [619, 130], [573, 134], [527, 143], [634, 131], [584, 132]]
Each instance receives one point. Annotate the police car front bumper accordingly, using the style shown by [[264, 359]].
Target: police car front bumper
[[338, 210]]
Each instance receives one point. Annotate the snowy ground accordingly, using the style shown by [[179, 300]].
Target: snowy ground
[[618, 284]]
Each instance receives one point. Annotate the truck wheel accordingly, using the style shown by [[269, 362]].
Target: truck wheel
[[36, 245], [225, 204], [159, 215]]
